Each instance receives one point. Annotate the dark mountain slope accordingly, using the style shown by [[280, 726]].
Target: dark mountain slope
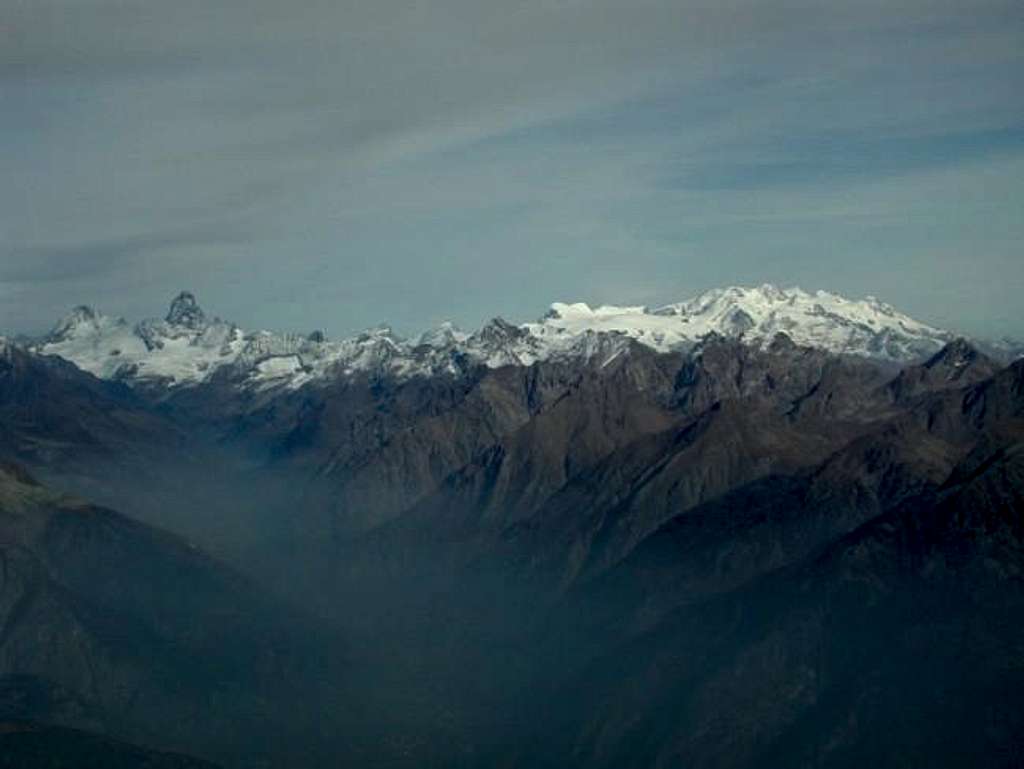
[[382, 446], [785, 377], [52, 413], [846, 469], [899, 645], [155, 641], [777, 521], [577, 486], [955, 366], [369, 450]]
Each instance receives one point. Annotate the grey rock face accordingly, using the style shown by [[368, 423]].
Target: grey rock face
[[185, 311]]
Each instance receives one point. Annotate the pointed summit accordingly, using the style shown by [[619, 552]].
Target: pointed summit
[[956, 354], [444, 335], [185, 311], [957, 364], [499, 332], [81, 318]]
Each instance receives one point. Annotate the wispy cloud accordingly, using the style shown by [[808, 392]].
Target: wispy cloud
[[68, 263], [403, 160]]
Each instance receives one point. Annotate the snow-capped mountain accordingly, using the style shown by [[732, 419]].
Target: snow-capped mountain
[[828, 321], [188, 347], [183, 347]]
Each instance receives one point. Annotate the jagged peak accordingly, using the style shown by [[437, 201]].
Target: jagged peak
[[766, 293], [80, 317], [443, 334], [380, 333], [959, 352], [499, 327], [82, 312], [959, 362], [775, 293], [185, 311]]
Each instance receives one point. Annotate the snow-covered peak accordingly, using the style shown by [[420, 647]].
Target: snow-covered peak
[[582, 316], [823, 319], [185, 311], [442, 336], [187, 347], [382, 333], [184, 347], [82, 319]]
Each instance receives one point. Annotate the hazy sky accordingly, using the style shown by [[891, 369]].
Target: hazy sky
[[336, 164]]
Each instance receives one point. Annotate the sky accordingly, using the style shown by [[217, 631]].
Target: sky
[[336, 164]]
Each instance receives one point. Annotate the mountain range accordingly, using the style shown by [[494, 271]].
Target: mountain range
[[758, 528], [188, 347]]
